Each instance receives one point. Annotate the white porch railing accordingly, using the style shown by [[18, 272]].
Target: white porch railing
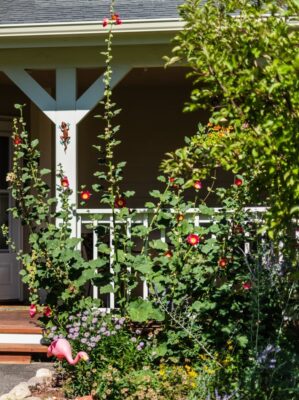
[[88, 220]]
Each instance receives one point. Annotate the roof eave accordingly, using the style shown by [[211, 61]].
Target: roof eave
[[67, 29]]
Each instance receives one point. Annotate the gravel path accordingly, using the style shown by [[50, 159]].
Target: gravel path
[[12, 374]]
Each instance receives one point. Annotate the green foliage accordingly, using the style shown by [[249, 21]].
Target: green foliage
[[243, 57], [221, 317], [52, 261]]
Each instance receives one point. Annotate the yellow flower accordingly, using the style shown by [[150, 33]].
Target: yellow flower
[[192, 373]]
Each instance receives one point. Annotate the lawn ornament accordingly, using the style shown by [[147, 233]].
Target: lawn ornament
[[65, 137], [61, 349]]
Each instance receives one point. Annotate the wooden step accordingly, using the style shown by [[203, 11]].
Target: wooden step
[[19, 335], [22, 348], [18, 321]]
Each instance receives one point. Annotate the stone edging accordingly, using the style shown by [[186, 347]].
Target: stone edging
[[42, 378]]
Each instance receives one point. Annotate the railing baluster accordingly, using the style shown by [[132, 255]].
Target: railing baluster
[[95, 289], [142, 216], [145, 286], [79, 232], [112, 253]]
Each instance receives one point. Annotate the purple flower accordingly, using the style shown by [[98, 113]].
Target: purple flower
[[142, 344], [86, 312], [71, 318], [92, 345], [122, 320], [102, 329], [117, 327], [138, 332], [94, 320], [107, 333], [139, 348], [86, 334], [98, 338], [84, 318], [133, 339], [83, 340], [72, 330]]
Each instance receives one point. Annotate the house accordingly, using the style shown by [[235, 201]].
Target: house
[[50, 59]]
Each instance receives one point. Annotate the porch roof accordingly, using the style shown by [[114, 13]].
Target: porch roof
[[15, 12]]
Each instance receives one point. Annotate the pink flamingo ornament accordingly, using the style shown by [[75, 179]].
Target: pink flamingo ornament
[[61, 348]]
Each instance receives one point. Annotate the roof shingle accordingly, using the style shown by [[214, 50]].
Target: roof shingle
[[52, 11]]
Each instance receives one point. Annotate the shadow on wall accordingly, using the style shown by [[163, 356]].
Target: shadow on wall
[[152, 123]]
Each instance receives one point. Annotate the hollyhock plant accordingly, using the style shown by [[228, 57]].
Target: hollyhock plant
[[193, 239], [238, 181], [17, 140], [105, 22], [247, 285], [47, 311], [85, 195], [32, 310], [168, 254], [222, 262], [180, 217], [65, 182], [119, 202], [197, 185], [116, 18]]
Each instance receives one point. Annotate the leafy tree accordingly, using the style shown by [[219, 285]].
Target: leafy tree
[[245, 63]]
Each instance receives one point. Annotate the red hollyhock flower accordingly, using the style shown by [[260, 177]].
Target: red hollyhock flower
[[65, 182], [115, 17], [238, 182], [85, 195], [238, 229], [222, 262], [119, 202], [197, 185], [168, 254], [193, 239], [32, 310], [172, 183], [105, 22], [247, 285], [47, 311], [17, 140]]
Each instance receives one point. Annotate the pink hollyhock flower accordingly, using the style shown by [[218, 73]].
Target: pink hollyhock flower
[[238, 182], [65, 182], [118, 21], [85, 195], [193, 239], [47, 311], [197, 185], [247, 285], [105, 22], [32, 310]]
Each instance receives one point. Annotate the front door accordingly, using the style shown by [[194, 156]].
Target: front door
[[9, 267]]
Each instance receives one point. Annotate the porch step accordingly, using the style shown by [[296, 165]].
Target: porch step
[[20, 336]]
